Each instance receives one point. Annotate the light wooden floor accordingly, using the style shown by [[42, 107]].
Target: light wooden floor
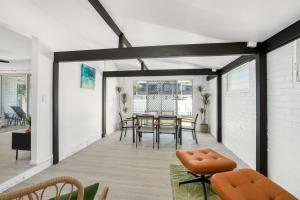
[[131, 173], [9, 167]]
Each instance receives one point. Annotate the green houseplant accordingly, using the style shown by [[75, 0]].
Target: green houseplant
[[28, 122], [205, 99], [122, 99]]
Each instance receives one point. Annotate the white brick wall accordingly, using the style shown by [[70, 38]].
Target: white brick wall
[[239, 118], [212, 109], [283, 120]]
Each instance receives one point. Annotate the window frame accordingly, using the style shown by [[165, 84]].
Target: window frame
[[296, 60], [229, 82]]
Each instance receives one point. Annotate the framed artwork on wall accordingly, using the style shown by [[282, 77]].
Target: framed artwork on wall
[[88, 76]]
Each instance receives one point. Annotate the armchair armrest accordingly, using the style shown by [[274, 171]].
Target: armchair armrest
[[103, 194]]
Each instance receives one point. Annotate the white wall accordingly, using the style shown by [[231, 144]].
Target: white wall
[[127, 84], [16, 66], [112, 105], [42, 59], [79, 109], [212, 109], [239, 118], [283, 120]]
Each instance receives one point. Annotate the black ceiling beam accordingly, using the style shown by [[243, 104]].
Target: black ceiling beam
[[210, 77], [4, 61], [285, 36], [164, 51], [175, 72], [234, 64], [111, 23]]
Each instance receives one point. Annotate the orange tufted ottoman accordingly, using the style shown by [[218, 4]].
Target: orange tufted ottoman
[[202, 163], [247, 184]]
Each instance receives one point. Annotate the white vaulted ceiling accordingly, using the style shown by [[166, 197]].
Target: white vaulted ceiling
[[75, 25]]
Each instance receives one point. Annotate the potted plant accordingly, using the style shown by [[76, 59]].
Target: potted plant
[[28, 122], [124, 100], [205, 98]]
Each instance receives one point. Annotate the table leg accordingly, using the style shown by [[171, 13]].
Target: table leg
[[180, 132], [16, 154], [133, 127]]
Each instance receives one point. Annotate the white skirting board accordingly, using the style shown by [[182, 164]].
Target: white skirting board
[[79, 147], [25, 175]]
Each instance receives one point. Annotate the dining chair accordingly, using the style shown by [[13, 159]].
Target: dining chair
[[125, 124], [145, 124], [167, 125], [192, 127]]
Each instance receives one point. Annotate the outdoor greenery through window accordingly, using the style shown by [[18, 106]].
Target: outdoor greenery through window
[[164, 97]]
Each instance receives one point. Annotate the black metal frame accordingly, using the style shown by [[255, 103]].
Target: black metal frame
[[170, 72], [285, 36], [203, 179], [163, 51], [219, 107], [215, 49], [261, 112], [110, 22]]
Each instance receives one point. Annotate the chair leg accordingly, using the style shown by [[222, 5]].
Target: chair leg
[[125, 132], [204, 190], [140, 133], [158, 140], [136, 138], [121, 134], [195, 136], [153, 139], [202, 179], [176, 140]]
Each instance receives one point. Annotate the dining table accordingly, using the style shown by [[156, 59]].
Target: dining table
[[179, 123]]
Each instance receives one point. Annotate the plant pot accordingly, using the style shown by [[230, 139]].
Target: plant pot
[[28, 130], [204, 128]]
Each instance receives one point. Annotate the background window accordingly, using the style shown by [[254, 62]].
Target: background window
[[239, 78], [297, 60], [172, 96]]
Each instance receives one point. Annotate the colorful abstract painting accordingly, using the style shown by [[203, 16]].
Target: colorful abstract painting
[[88, 75]]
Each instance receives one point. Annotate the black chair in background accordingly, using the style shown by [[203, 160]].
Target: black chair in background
[[192, 128], [125, 124], [167, 125], [9, 119], [20, 115], [145, 124]]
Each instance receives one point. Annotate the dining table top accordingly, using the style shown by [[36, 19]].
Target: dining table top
[[134, 116]]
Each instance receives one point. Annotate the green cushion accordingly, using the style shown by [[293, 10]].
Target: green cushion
[[89, 193]]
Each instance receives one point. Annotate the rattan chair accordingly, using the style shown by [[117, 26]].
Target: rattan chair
[[59, 184]]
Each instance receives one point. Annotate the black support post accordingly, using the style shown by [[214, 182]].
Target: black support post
[[55, 88], [142, 66], [104, 106], [261, 113], [219, 107]]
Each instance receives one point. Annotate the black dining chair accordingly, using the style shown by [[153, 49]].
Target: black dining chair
[[192, 127], [125, 124], [167, 125], [145, 124]]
